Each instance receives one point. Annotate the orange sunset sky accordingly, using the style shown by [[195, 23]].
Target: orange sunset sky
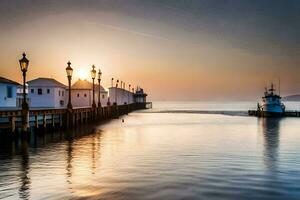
[[175, 50]]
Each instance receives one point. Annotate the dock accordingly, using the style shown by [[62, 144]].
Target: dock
[[290, 113], [42, 119]]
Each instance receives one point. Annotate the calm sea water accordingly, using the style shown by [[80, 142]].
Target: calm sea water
[[160, 154]]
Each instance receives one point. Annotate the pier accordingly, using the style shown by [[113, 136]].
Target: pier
[[291, 113], [42, 119]]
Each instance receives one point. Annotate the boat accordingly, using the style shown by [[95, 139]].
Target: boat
[[271, 105]]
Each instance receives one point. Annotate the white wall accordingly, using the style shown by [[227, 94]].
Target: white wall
[[120, 95], [80, 98], [4, 100], [84, 98], [45, 100], [60, 98]]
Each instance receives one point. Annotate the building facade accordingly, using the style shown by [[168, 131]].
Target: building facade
[[82, 94], [120, 96], [8, 93], [46, 93], [140, 96]]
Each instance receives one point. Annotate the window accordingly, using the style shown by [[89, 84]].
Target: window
[[62, 93], [103, 96], [61, 102], [58, 92], [84, 95], [48, 91], [77, 94], [32, 91], [40, 91], [9, 92]]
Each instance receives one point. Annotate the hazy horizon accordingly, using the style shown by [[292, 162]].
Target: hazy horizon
[[176, 50]]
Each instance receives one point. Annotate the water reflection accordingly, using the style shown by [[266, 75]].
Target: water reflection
[[271, 134], [69, 162], [19, 151], [24, 190]]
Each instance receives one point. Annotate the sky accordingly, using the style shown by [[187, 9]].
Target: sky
[[194, 50]]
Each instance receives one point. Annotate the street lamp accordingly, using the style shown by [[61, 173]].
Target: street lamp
[[99, 80], [69, 71], [24, 62], [112, 82], [129, 93], [116, 91], [93, 74]]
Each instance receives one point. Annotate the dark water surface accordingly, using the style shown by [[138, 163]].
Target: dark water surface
[[158, 156]]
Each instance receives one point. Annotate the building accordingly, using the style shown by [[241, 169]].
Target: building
[[82, 94], [20, 95], [8, 93], [140, 96], [46, 93], [120, 96]]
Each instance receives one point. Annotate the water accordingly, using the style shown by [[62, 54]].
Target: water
[[159, 155]]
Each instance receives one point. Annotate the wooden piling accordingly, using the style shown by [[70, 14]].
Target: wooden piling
[[13, 124], [36, 121], [44, 121]]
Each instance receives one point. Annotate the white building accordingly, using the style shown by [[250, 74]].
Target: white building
[[8, 93], [20, 95], [121, 96], [82, 94], [46, 93], [140, 96]]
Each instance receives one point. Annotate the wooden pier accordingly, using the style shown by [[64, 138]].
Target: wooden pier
[[64, 118], [290, 113]]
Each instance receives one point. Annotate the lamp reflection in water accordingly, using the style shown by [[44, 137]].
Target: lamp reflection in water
[[82, 162], [271, 134], [24, 190]]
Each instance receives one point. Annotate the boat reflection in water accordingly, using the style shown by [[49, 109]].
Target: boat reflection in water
[[271, 138]]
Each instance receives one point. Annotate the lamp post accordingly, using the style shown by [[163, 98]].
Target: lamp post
[[129, 93], [69, 71], [24, 63], [99, 81], [112, 82], [116, 91], [93, 74]]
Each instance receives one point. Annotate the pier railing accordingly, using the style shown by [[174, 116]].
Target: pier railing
[[10, 120]]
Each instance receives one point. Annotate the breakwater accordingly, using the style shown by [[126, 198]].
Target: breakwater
[[291, 113], [41, 119]]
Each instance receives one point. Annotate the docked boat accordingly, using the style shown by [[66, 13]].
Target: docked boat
[[271, 105]]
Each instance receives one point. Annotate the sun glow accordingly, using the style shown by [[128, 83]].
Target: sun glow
[[82, 74]]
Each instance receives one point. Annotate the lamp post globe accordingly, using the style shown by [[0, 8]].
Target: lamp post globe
[[93, 75], [69, 71]]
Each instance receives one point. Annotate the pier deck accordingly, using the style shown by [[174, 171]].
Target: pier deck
[[11, 120]]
